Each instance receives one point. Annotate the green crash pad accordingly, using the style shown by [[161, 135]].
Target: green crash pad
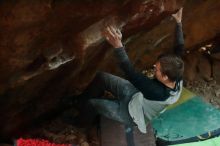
[[210, 142], [189, 117]]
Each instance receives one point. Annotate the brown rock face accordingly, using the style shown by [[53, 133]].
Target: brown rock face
[[50, 49]]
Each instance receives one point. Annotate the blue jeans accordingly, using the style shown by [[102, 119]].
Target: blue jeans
[[116, 109]]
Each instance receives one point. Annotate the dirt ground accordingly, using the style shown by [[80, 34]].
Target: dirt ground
[[210, 91]]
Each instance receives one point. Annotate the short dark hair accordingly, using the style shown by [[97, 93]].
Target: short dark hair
[[172, 66]]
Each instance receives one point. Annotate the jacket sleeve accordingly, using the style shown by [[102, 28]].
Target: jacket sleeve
[[126, 65], [179, 42]]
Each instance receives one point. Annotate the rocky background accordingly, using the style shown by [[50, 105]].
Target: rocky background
[[50, 49]]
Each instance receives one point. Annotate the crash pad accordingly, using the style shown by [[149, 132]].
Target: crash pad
[[190, 120], [210, 142], [113, 134]]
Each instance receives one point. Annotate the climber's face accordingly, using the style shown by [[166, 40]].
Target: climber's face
[[158, 74]]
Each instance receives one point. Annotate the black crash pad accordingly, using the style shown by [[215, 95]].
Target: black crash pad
[[113, 134]]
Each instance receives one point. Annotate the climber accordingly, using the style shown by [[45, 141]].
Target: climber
[[138, 99]]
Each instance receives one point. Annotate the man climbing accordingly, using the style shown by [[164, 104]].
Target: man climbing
[[138, 99]]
